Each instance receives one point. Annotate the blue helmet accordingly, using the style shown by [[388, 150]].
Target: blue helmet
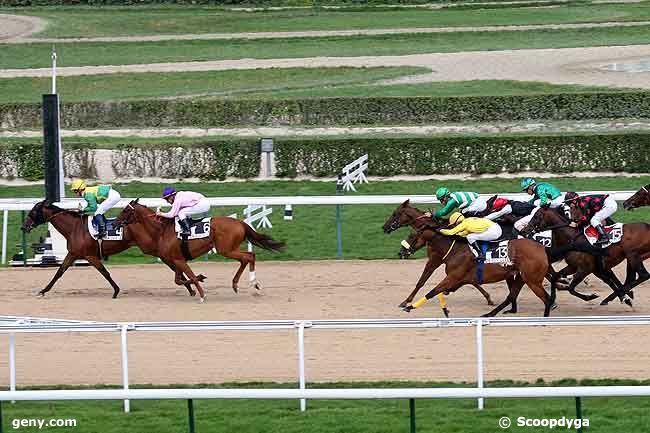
[[168, 191], [527, 182]]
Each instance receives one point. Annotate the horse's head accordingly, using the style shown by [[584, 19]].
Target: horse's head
[[543, 219], [40, 214], [640, 198], [404, 215], [129, 214], [411, 244]]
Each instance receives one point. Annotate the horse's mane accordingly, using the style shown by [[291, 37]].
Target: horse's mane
[[57, 209]]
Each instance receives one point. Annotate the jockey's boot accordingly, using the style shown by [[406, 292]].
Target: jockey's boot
[[479, 250], [603, 238], [185, 226], [101, 225]]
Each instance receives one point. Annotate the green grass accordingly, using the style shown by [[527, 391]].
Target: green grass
[[311, 235], [217, 83], [270, 84], [112, 21], [83, 54], [605, 415]]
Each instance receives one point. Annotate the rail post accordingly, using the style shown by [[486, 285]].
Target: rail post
[[190, 414], [301, 362], [12, 362], [125, 366], [5, 218], [479, 359], [339, 236], [579, 412], [23, 239], [412, 414]]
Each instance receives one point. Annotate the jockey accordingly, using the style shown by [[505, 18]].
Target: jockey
[[502, 206], [595, 208], [544, 194], [184, 204], [100, 199], [474, 229], [466, 202]]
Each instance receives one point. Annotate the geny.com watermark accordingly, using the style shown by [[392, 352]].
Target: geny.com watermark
[[18, 423], [549, 423]]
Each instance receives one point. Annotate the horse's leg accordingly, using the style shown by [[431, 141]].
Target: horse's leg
[[514, 286], [182, 266], [608, 276], [67, 262], [579, 274], [426, 274], [635, 264], [485, 294], [244, 258], [97, 263], [179, 280]]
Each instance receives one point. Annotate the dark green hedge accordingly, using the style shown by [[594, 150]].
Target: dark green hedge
[[23, 161], [334, 111], [254, 3], [478, 155]]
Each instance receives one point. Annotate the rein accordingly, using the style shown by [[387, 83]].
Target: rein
[[449, 250]]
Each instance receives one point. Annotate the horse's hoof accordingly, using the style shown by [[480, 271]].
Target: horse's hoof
[[403, 304], [604, 302], [511, 311], [592, 297], [490, 303], [203, 299], [628, 302], [40, 295], [631, 294], [256, 285], [192, 292], [553, 306]]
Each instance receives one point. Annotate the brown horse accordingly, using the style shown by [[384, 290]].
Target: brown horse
[[156, 236], [634, 246], [529, 266], [406, 215], [640, 198], [582, 264], [73, 226]]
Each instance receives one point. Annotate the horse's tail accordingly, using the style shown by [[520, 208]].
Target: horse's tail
[[261, 240], [558, 253]]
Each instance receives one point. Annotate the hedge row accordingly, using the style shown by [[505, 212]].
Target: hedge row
[[253, 3], [478, 155], [206, 160], [333, 111]]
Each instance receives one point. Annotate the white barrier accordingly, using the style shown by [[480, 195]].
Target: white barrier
[[28, 325], [354, 173]]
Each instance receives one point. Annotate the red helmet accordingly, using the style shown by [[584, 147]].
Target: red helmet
[[499, 203]]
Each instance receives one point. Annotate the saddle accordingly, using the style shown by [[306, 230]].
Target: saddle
[[615, 233], [112, 233], [199, 228]]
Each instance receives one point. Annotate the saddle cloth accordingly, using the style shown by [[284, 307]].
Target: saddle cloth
[[615, 233], [545, 238], [112, 234], [199, 229], [497, 252]]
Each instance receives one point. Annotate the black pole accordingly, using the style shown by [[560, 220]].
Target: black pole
[[579, 412], [190, 414], [24, 242], [412, 413]]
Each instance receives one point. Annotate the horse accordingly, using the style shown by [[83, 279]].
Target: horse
[[406, 215], [579, 263], [157, 236], [640, 198], [529, 266], [634, 246], [73, 226]]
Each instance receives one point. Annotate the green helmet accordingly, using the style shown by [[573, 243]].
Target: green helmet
[[442, 192], [527, 182]]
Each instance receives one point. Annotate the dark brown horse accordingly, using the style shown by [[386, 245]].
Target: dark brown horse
[[73, 226], [406, 215], [582, 264], [156, 236], [529, 266], [639, 199]]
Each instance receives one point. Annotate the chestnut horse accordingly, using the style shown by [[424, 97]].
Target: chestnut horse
[[73, 226], [640, 198], [529, 266], [406, 215], [157, 236], [582, 264]]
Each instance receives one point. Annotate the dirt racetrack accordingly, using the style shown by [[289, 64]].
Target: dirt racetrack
[[305, 290]]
